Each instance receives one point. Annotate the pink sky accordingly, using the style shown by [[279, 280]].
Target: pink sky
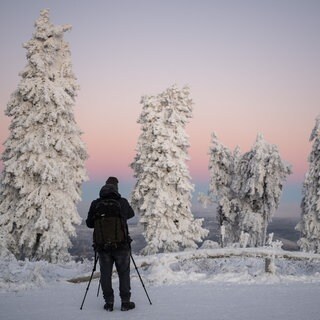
[[252, 66]]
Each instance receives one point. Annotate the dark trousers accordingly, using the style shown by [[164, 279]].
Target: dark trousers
[[121, 258]]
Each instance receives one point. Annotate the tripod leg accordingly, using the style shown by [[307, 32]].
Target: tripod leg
[[145, 290], [93, 270], [99, 288]]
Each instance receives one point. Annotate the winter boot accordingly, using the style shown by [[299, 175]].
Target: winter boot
[[125, 306], [108, 306]]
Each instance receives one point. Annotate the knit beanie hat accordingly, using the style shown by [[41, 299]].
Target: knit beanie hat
[[112, 180]]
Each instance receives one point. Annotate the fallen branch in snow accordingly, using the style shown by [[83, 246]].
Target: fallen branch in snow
[[84, 278], [252, 253]]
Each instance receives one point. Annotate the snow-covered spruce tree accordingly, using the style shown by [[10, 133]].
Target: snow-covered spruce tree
[[44, 155], [162, 194], [261, 175], [309, 226]]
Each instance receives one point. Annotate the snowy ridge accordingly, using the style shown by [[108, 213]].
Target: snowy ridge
[[231, 265]]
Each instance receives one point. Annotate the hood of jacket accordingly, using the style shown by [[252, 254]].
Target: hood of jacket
[[109, 191]]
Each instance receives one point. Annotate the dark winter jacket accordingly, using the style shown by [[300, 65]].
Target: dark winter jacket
[[109, 191]]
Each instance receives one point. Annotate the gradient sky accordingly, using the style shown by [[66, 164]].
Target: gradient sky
[[252, 66]]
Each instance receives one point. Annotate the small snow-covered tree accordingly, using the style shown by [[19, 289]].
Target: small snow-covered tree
[[309, 225], [162, 193], [247, 189], [262, 174], [44, 155], [222, 165]]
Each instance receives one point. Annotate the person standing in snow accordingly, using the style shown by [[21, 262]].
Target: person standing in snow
[[113, 253]]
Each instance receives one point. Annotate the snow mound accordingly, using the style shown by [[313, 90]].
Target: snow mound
[[234, 265], [21, 275]]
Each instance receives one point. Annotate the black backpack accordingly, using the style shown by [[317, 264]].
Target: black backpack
[[109, 226]]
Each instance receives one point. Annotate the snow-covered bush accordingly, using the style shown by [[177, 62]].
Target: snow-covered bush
[[209, 244]]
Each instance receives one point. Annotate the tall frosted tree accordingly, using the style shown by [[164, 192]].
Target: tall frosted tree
[[309, 225], [162, 194], [44, 155], [247, 189]]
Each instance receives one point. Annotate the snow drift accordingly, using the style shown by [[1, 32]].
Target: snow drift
[[233, 265]]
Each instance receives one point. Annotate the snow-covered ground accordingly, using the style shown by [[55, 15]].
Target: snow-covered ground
[[294, 301], [203, 284]]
